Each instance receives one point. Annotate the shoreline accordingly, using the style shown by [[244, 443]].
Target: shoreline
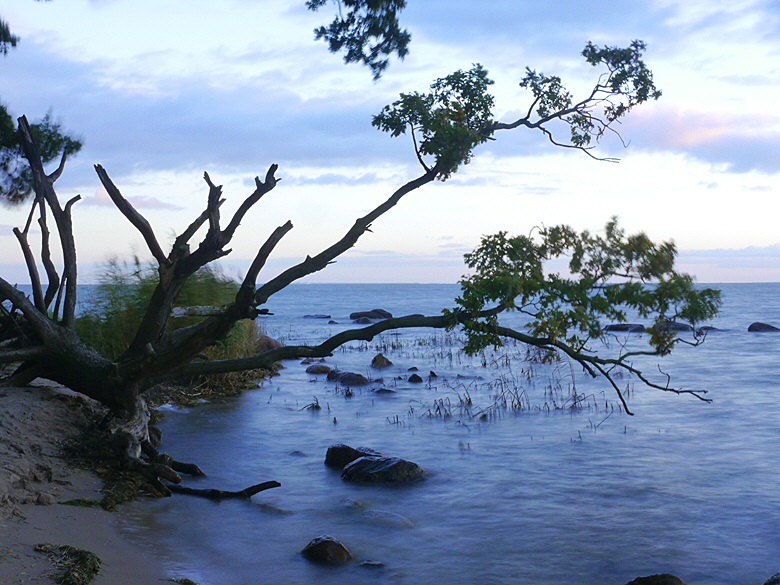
[[34, 479]]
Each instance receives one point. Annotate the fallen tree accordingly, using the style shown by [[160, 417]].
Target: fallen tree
[[446, 125]]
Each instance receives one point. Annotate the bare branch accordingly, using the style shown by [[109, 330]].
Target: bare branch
[[139, 222], [32, 270], [262, 187]]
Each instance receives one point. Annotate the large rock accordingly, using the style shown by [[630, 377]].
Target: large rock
[[761, 327], [374, 314], [326, 550], [416, 379], [347, 378], [624, 328], [319, 369], [773, 580], [660, 579], [341, 455], [675, 326], [380, 361], [382, 470], [265, 343]]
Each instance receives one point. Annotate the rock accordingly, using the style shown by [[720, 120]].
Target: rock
[[326, 550], [660, 579], [363, 321], [773, 580], [341, 455], [675, 326], [347, 378], [316, 316], [380, 361], [432, 374], [265, 343], [383, 390], [318, 369], [413, 369], [373, 314], [368, 564], [382, 470], [332, 322], [624, 328], [761, 327], [415, 379]]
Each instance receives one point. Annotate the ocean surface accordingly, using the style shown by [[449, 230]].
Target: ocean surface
[[522, 488]]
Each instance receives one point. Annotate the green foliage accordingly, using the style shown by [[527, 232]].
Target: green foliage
[[123, 295], [15, 172], [450, 120], [7, 40], [368, 33], [608, 275]]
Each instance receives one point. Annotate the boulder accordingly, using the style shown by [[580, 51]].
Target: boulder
[[265, 343], [318, 369], [338, 456], [660, 579], [347, 378], [316, 316], [773, 580], [380, 361], [415, 379], [373, 314], [624, 328], [363, 321], [382, 470], [326, 550], [761, 327], [675, 326]]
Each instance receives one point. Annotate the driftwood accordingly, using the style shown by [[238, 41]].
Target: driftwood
[[213, 494]]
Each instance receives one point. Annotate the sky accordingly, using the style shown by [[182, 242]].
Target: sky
[[162, 91]]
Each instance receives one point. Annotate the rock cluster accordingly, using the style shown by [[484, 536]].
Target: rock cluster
[[363, 465]]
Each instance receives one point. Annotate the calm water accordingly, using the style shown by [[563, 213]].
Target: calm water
[[539, 496]]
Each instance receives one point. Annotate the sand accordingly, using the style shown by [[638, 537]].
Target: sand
[[34, 479]]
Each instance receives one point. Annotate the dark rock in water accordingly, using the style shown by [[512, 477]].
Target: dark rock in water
[[332, 322], [707, 328], [318, 369], [340, 455], [326, 550], [773, 580], [675, 326], [373, 314], [415, 379], [382, 470], [363, 321], [412, 369], [265, 343], [762, 327], [660, 579], [380, 361], [347, 378], [316, 316], [372, 565], [433, 374], [624, 328], [384, 390], [298, 453]]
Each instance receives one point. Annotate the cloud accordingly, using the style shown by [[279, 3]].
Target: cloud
[[739, 142]]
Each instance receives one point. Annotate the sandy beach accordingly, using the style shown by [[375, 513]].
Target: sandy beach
[[34, 479]]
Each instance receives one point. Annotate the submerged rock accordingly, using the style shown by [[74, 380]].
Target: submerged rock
[[363, 321], [624, 328], [340, 455], [316, 316], [660, 579], [415, 379], [347, 378], [326, 550], [382, 470], [374, 314], [762, 328], [318, 369]]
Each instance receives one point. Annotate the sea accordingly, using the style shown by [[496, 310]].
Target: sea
[[535, 473]]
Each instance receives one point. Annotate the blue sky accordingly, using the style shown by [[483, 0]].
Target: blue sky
[[164, 91]]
